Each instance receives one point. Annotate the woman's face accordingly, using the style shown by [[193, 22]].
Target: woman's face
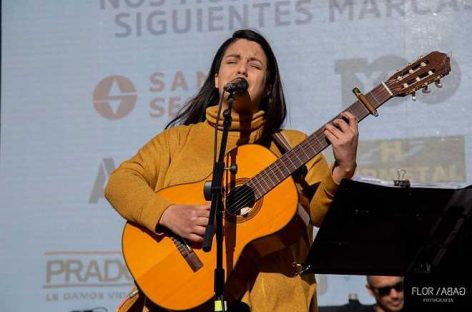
[[245, 59]]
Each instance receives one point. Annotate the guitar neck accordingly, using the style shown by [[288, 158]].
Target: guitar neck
[[289, 162]]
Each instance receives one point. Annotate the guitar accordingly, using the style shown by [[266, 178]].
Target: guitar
[[176, 276]]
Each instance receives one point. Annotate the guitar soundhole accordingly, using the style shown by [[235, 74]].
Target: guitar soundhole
[[241, 203]]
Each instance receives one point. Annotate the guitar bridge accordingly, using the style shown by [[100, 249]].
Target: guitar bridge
[[187, 252]]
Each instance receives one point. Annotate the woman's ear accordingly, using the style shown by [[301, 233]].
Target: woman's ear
[[268, 90], [216, 80]]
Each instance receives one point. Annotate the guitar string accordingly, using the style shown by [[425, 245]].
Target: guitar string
[[257, 181], [246, 195], [260, 179]]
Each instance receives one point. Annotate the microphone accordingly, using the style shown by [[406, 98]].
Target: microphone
[[237, 85]]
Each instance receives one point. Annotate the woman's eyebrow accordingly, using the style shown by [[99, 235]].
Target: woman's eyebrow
[[236, 55]]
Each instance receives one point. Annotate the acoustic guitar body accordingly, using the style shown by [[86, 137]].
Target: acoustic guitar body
[[159, 264]]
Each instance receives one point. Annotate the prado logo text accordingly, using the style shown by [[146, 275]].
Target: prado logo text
[[85, 275]]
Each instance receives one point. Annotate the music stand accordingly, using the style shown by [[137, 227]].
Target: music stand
[[422, 233]]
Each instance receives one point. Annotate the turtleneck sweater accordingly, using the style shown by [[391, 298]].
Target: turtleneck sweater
[[184, 154]]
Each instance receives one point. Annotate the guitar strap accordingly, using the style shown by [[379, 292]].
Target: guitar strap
[[298, 176], [283, 145]]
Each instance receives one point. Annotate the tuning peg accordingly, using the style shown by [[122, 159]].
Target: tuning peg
[[438, 83], [426, 90], [413, 96]]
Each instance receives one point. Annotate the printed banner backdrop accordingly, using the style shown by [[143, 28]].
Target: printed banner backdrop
[[86, 83]]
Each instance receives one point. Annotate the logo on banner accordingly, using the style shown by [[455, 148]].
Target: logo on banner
[[350, 10], [358, 72], [114, 97], [105, 169], [158, 18], [425, 160], [85, 275]]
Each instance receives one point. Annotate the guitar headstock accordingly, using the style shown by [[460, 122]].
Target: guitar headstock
[[418, 75]]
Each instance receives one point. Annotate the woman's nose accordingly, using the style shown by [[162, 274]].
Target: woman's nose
[[242, 68]]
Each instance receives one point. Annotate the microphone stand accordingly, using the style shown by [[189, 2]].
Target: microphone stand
[[217, 212]]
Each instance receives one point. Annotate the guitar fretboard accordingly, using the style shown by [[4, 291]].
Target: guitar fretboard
[[278, 171]]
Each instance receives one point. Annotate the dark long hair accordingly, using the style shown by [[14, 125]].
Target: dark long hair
[[194, 110]]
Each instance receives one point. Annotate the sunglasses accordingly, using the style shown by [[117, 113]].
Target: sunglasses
[[384, 291]]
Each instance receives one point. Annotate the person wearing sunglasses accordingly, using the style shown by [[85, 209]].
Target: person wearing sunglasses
[[387, 291]]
